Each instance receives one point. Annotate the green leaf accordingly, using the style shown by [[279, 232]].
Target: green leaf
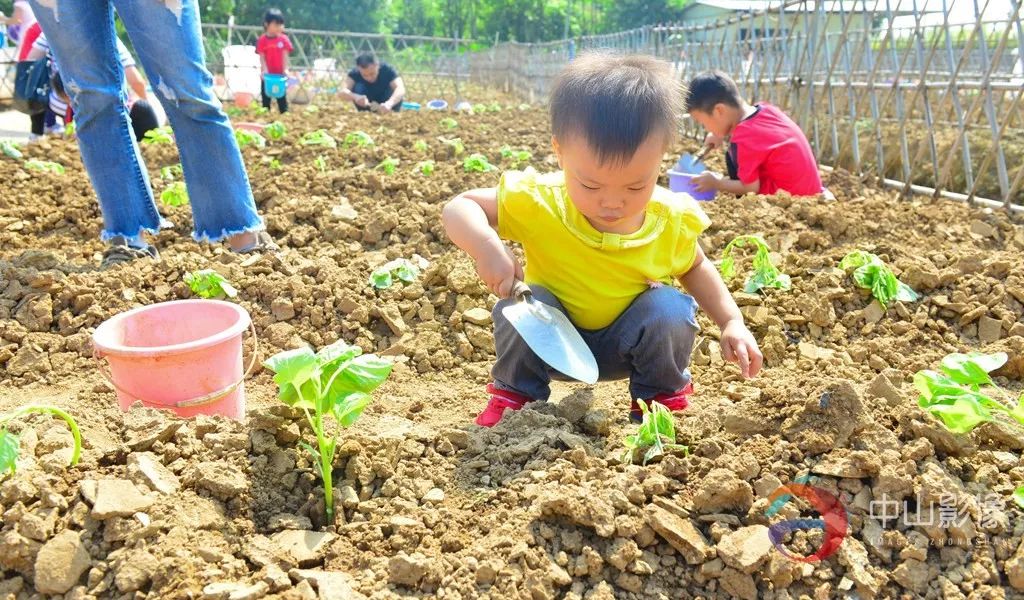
[[349, 407], [962, 416], [244, 137], [1018, 496], [10, 149], [872, 274], [8, 451], [160, 135], [312, 451], [364, 374], [45, 166], [208, 284], [972, 369], [320, 137], [358, 138], [275, 130], [727, 267], [855, 259], [904, 293], [295, 367], [337, 354], [175, 194]]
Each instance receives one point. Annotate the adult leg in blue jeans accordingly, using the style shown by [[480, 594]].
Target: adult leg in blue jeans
[[167, 40]]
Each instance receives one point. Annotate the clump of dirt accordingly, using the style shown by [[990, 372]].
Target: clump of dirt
[[541, 505]]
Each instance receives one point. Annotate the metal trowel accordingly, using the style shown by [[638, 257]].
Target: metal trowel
[[550, 334]]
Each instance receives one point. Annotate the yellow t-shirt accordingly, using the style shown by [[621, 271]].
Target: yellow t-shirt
[[595, 275]]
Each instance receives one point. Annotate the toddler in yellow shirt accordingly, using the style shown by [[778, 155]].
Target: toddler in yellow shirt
[[603, 242]]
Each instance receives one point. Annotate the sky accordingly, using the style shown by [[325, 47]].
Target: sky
[[960, 11]]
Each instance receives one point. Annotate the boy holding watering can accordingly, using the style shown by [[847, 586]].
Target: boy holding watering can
[[603, 242], [273, 48], [767, 151]]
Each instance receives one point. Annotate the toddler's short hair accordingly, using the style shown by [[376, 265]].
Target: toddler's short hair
[[711, 88], [615, 103], [273, 15]]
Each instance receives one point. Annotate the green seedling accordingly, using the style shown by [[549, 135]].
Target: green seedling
[[420, 146], [962, 395], [160, 135], [872, 274], [454, 143], [494, 107], [9, 443], [171, 173], [479, 109], [10, 149], [320, 163], [46, 166], [258, 108], [515, 156], [765, 275], [70, 129], [319, 137], [275, 130], [448, 123], [244, 137], [425, 167], [477, 163], [401, 269], [388, 165], [210, 284], [176, 194], [335, 382], [360, 139], [275, 164], [234, 111], [657, 434]]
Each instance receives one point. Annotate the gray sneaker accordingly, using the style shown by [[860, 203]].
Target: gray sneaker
[[120, 252]]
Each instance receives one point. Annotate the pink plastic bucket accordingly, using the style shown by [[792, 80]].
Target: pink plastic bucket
[[185, 356]]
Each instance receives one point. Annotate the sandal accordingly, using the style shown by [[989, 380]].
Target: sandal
[[263, 243], [121, 252]]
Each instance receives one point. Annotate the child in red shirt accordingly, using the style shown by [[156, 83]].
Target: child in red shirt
[[767, 151], [274, 48]]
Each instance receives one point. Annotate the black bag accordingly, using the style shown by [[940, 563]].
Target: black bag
[[32, 86]]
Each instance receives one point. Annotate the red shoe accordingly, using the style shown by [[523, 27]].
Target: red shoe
[[499, 402], [674, 402]]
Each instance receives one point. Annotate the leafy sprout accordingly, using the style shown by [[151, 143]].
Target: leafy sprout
[[657, 434], [275, 130], [244, 137], [448, 123], [234, 111], [425, 167], [516, 157], [10, 149], [872, 274], [420, 146], [320, 163], [210, 284], [454, 143], [9, 443], [334, 383], [401, 269], [477, 163], [360, 139], [47, 166], [258, 108], [388, 165], [320, 137], [171, 172], [479, 108], [160, 135], [175, 194], [765, 275], [962, 395], [494, 107], [275, 164]]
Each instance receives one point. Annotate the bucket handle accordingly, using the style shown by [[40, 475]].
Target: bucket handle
[[200, 401]]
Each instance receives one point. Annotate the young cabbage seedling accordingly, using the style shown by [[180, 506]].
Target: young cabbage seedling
[[872, 274], [425, 167], [275, 130], [320, 163], [244, 137], [46, 166], [477, 163], [9, 443], [335, 382], [319, 137], [274, 164], [210, 284], [517, 157], [171, 172], [657, 434], [449, 123], [454, 143], [957, 396], [176, 194], [10, 149], [479, 109], [360, 139], [388, 165], [420, 146], [494, 107], [402, 269], [765, 275], [258, 108], [160, 135]]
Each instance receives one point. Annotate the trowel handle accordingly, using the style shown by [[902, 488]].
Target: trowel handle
[[521, 291], [703, 152]]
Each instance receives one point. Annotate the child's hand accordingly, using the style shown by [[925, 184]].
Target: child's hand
[[706, 181], [740, 347], [713, 141], [499, 271]]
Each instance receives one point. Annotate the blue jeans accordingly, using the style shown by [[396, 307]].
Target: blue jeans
[[650, 343], [168, 44]]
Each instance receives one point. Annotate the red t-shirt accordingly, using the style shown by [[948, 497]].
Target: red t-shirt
[[769, 147], [273, 50], [28, 38]]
